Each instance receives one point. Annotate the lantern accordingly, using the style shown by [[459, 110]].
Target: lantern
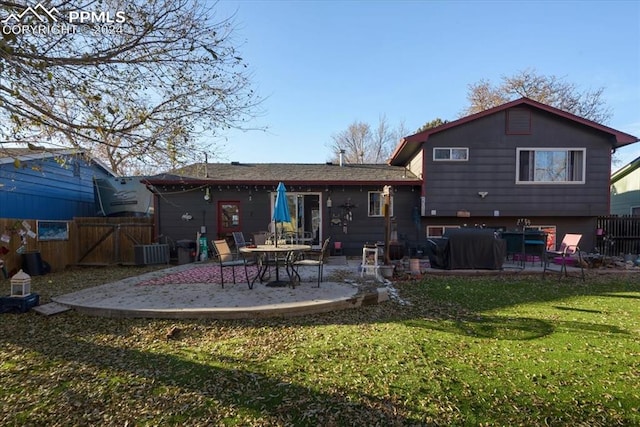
[[20, 284]]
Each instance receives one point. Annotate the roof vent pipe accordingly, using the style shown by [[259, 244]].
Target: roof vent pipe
[[341, 156]]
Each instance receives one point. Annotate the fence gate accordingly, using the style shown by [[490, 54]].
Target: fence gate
[[110, 242]]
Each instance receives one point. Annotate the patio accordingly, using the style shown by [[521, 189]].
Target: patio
[[192, 291]]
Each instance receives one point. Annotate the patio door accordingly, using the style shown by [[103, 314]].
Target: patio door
[[306, 215]]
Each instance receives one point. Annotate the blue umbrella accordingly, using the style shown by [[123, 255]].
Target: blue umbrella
[[281, 209]]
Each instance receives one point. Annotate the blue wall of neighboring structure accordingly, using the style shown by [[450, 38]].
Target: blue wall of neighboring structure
[[48, 187]]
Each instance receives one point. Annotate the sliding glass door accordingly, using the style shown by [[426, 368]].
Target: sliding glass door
[[306, 215]]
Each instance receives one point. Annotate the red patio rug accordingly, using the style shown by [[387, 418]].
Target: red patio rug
[[203, 274]]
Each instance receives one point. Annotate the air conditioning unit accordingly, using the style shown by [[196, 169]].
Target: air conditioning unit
[[151, 254]]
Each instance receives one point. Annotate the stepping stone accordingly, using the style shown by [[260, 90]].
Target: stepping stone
[[51, 309]]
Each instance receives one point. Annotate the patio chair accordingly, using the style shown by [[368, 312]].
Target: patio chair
[[226, 259], [317, 259], [535, 244], [568, 247], [260, 238], [238, 238]]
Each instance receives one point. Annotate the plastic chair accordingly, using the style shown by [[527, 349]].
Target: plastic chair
[[568, 247], [226, 259]]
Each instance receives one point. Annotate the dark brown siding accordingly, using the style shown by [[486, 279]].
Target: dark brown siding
[[363, 228], [453, 186], [255, 212]]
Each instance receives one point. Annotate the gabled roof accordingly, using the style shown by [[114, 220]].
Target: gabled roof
[[413, 143], [625, 170], [237, 173]]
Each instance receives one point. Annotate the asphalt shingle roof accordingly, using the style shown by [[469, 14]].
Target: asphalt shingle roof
[[269, 173]]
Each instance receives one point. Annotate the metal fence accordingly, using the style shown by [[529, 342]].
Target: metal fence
[[618, 235]]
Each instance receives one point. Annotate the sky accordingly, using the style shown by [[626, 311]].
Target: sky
[[322, 65]]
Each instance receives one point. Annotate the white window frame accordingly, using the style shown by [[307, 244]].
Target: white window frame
[[551, 149], [450, 157], [442, 229], [381, 204]]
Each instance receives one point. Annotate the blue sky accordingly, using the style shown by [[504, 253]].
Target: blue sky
[[321, 65]]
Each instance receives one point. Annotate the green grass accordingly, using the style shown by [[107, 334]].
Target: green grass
[[504, 350]]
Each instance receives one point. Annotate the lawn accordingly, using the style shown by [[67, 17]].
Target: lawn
[[500, 350]]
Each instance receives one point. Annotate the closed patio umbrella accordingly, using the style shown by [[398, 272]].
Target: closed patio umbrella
[[281, 209]]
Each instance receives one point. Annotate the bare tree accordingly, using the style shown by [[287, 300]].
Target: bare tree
[[550, 90], [362, 144], [135, 82], [400, 132]]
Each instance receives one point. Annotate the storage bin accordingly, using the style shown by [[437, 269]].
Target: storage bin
[[19, 304]]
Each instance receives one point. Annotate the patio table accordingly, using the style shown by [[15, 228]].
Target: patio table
[[283, 252]]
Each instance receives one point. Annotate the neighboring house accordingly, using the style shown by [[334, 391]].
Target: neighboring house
[[343, 202], [522, 159], [625, 190], [48, 185]]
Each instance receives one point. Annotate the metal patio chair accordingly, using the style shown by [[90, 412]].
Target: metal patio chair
[[226, 259], [316, 259], [568, 247]]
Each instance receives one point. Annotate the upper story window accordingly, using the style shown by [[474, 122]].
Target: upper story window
[[550, 166], [457, 154], [376, 203]]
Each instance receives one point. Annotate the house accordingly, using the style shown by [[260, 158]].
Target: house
[[520, 160], [625, 190], [48, 185], [341, 201]]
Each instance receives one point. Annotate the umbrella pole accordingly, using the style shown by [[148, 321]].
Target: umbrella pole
[[275, 233]]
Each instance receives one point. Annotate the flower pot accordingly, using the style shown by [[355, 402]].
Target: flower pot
[[386, 271]]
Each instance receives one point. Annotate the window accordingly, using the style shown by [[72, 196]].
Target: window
[[434, 231], [545, 165], [450, 154], [228, 217], [635, 210], [376, 202]]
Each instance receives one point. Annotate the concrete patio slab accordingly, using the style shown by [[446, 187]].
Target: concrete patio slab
[[132, 298]]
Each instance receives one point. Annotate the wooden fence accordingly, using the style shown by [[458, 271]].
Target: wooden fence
[[618, 235], [88, 241]]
